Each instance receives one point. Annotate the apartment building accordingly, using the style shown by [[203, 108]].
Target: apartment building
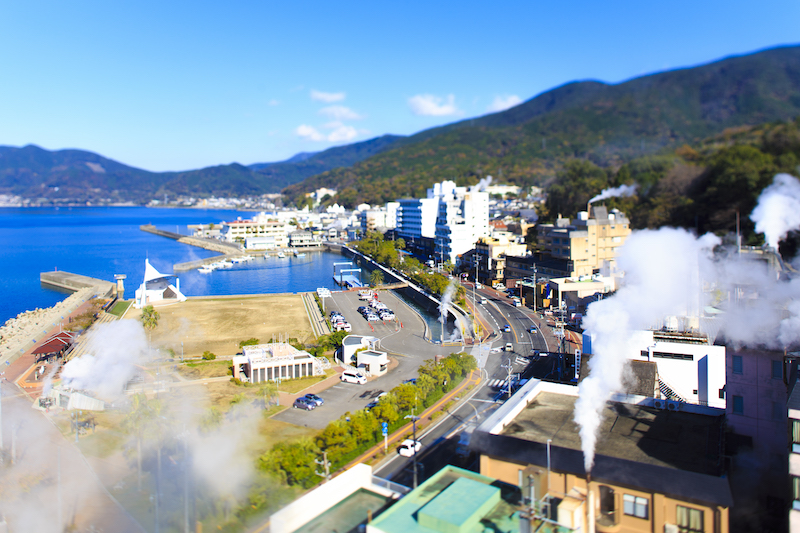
[[654, 470], [489, 255], [587, 242]]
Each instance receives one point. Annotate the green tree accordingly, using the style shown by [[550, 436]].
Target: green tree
[[149, 319], [376, 278], [293, 462], [208, 356]]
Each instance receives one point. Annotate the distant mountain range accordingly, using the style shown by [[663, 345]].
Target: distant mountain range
[[77, 176], [603, 123]]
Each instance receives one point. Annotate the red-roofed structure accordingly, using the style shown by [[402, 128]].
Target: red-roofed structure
[[55, 346]]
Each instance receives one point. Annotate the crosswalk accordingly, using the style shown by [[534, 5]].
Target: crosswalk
[[498, 383]]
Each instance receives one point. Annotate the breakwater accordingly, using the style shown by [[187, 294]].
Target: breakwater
[[75, 282], [208, 244]]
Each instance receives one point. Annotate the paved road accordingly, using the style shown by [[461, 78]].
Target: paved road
[[403, 339]]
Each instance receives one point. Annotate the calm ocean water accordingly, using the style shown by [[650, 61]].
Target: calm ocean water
[[103, 241]]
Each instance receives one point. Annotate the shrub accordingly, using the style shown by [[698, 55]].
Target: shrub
[[249, 342], [208, 356]]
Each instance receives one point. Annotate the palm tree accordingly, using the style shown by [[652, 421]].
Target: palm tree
[[376, 278], [149, 319]]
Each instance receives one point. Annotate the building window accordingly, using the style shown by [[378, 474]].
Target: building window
[[796, 488], [737, 364], [777, 370], [795, 431], [635, 506], [689, 520], [738, 405]]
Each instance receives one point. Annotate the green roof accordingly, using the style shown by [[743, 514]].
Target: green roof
[[454, 501]]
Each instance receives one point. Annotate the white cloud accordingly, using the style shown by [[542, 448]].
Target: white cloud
[[339, 112], [340, 132], [429, 105], [343, 133], [309, 132], [328, 98], [501, 103]]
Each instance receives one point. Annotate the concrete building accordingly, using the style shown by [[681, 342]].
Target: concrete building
[[490, 254], [352, 343], [302, 237], [262, 226], [276, 361], [690, 368], [453, 500], [793, 413], [587, 242], [381, 218], [373, 361], [462, 219], [341, 504], [654, 470]]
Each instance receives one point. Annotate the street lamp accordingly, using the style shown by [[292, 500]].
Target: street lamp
[[414, 446]]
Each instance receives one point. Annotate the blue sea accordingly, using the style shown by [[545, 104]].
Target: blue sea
[[102, 241]]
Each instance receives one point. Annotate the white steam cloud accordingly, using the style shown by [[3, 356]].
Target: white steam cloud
[[622, 190], [656, 263], [778, 209], [108, 365], [447, 299], [485, 182]]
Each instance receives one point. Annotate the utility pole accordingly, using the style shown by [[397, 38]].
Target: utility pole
[[326, 475], [414, 455]]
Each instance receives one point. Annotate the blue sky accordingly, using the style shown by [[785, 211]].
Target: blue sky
[[181, 85]]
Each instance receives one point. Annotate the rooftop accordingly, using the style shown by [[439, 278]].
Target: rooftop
[[632, 432], [453, 501]]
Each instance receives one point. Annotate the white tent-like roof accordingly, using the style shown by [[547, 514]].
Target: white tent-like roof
[[151, 274]]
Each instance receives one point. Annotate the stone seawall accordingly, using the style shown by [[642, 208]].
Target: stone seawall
[[208, 244]]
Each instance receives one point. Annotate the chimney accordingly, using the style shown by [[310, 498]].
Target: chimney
[[590, 525]]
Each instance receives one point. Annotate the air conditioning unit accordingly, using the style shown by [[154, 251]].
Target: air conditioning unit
[[659, 404], [673, 406], [670, 528]]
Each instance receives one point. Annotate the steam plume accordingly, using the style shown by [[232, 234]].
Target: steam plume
[[108, 365], [661, 278], [622, 190], [778, 209], [447, 299], [485, 182]]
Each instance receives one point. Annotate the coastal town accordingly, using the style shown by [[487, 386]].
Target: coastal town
[[449, 380]]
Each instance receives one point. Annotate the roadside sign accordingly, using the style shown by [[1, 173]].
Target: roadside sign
[[385, 428]]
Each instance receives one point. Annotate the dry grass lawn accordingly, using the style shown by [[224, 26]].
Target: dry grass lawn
[[219, 324]]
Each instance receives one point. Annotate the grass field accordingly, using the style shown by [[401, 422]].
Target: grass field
[[205, 369], [120, 307], [219, 325]]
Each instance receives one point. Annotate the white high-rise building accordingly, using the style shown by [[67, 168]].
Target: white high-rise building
[[463, 218], [454, 217]]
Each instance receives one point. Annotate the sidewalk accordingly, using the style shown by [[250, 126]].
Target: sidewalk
[[472, 379]]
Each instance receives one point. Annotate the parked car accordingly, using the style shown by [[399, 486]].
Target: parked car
[[371, 317], [304, 403], [409, 447], [314, 398], [351, 375], [413, 381]]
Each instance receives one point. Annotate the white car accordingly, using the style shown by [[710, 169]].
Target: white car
[[409, 447]]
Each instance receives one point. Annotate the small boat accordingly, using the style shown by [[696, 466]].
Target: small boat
[[299, 254], [281, 255], [205, 269]]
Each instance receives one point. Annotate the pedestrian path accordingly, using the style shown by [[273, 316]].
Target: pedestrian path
[[85, 341]]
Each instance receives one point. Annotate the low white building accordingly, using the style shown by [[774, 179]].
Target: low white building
[[690, 369], [275, 361], [373, 361], [353, 343], [261, 226], [156, 288]]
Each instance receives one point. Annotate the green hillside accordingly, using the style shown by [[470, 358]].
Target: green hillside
[[604, 124]]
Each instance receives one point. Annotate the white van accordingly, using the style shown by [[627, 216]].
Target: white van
[[509, 347], [351, 375]]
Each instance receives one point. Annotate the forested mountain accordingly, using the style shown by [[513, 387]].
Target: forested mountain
[[604, 124], [77, 176]]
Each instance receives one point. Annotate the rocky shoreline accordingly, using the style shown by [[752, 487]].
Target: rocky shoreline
[[18, 332]]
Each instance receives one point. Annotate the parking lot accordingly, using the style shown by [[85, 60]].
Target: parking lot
[[402, 338]]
